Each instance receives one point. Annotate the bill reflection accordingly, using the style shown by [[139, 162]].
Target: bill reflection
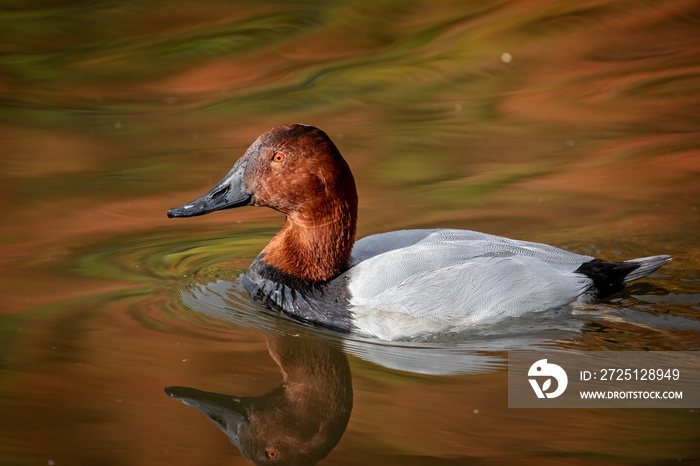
[[299, 422]]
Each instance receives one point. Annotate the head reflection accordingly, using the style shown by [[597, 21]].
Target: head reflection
[[299, 422]]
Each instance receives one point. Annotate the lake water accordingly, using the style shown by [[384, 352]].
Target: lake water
[[571, 123]]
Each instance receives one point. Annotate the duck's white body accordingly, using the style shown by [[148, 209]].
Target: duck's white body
[[412, 282]]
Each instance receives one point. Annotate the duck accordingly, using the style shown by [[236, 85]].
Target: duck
[[395, 285]]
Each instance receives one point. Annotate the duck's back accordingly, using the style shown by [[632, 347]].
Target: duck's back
[[440, 243]]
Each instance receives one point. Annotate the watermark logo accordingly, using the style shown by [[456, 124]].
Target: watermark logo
[[543, 369], [604, 379]]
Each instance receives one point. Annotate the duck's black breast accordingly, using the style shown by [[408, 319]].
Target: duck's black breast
[[325, 303]]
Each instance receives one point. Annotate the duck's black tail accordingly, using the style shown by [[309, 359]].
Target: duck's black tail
[[611, 277]]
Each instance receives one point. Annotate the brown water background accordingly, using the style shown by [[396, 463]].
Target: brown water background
[[571, 123]]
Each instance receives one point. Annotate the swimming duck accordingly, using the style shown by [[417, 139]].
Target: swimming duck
[[395, 285]]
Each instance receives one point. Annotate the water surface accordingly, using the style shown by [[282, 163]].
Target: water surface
[[570, 123]]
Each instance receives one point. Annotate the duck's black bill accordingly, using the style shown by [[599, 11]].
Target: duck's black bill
[[227, 194]]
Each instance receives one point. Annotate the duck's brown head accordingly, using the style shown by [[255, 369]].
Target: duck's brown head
[[295, 169]]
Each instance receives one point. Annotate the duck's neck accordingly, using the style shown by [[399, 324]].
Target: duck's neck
[[313, 247]]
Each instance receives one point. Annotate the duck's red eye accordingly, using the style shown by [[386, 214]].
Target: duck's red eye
[[279, 158], [272, 454]]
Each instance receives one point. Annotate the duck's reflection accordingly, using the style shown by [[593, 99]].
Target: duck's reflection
[[298, 423]]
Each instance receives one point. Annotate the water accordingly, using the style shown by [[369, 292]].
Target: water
[[570, 123]]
